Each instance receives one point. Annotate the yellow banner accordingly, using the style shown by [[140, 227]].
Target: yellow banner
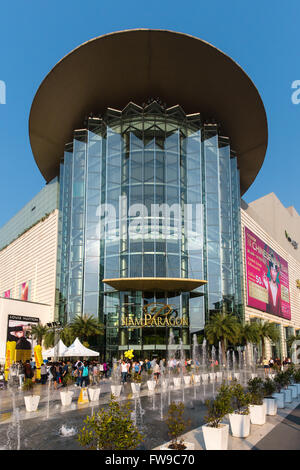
[[83, 397], [38, 360], [10, 356]]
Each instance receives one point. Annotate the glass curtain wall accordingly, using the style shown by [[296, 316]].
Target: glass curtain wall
[[112, 174]]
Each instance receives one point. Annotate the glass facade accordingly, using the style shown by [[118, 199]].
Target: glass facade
[[148, 192]]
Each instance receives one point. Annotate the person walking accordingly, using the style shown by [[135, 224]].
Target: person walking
[[124, 372], [266, 366], [105, 369], [156, 372], [28, 371], [85, 375], [44, 374]]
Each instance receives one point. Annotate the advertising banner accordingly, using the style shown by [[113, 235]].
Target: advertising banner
[[38, 360], [267, 278], [18, 330], [25, 290], [7, 294]]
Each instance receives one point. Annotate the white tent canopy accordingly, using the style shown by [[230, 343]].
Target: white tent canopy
[[77, 349], [57, 351]]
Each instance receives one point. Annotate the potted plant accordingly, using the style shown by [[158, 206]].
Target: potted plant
[[257, 407], [31, 401], [297, 380], [290, 374], [279, 393], [240, 418], [111, 429], [285, 382], [136, 383], [67, 395], [176, 427], [270, 401], [150, 382], [216, 433]]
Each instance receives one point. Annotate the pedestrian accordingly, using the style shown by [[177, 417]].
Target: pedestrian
[[64, 373], [266, 366], [124, 372], [28, 371], [156, 372], [44, 374], [105, 369], [85, 375], [53, 372]]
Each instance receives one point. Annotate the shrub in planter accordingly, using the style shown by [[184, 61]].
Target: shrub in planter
[[136, 383], [270, 401], [110, 429], [216, 433], [240, 418], [176, 426], [31, 401], [257, 407]]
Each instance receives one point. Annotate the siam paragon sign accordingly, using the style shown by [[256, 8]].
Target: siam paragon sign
[[156, 314]]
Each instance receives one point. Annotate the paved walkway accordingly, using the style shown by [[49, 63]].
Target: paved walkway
[[280, 432]]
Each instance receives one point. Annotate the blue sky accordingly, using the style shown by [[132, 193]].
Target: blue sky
[[261, 36]]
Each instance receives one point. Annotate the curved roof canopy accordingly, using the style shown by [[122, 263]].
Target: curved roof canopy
[[165, 284], [134, 65]]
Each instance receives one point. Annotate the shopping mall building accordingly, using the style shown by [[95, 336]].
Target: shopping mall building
[[147, 140]]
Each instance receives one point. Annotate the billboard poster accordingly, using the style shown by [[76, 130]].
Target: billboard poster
[[25, 291], [18, 330], [7, 294], [267, 278]]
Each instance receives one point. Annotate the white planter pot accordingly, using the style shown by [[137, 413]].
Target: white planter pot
[[212, 377], [197, 379], [294, 390], [32, 402], [253, 376], [287, 395], [94, 394], [151, 385], [66, 398], [219, 376], [279, 399], [257, 414], [116, 390], [272, 376], [135, 387], [187, 379], [188, 446], [216, 438], [236, 375], [239, 424], [164, 385], [204, 378], [177, 382], [298, 387], [270, 406]]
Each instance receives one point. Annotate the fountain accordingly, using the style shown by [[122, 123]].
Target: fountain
[[14, 429], [64, 431], [115, 377]]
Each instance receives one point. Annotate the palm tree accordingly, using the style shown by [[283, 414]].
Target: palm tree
[[267, 331], [223, 328], [85, 327], [39, 332], [249, 333]]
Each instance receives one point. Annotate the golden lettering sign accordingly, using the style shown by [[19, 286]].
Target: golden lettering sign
[[298, 283], [155, 314]]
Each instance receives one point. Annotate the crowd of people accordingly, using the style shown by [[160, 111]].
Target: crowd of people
[[84, 373]]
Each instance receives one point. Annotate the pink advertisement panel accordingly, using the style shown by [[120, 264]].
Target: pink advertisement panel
[[267, 278], [7, 294]]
